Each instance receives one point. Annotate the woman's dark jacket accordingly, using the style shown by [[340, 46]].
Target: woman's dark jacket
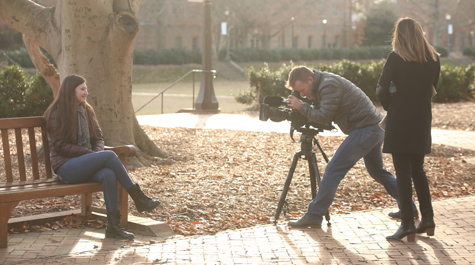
[[339, 100], [409, 112], [63, 150]]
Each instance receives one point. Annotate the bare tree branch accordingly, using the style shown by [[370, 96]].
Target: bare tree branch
[[135, 5], [33, 20], [42, 64]]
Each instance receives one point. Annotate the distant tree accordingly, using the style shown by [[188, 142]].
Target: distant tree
[[379, 24], [10, 39]]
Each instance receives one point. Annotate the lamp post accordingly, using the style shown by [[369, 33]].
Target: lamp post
[[292, 33], [228, 57], [324, 41], [206, 100], [449, 30]]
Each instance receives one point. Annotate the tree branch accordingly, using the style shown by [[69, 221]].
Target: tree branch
[[33, 20], [42, 64], [135, 5]]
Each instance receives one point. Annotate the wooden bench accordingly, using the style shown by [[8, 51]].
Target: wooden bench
[[32, 178]]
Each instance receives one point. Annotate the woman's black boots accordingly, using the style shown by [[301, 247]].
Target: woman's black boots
[[426, 225], [406, 228], [114, 229], [142, 201]]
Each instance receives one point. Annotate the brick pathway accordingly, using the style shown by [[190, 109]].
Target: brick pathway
[[356, 238]]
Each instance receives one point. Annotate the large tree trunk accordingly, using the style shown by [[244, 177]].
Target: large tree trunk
[[94, 39]]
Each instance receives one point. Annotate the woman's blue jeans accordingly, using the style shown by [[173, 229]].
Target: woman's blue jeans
[[102, 167], [361, 143]]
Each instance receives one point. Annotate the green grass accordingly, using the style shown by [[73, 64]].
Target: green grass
[[180, 96], [155, 79]]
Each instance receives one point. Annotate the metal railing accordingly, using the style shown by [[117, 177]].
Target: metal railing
[[174, 83]]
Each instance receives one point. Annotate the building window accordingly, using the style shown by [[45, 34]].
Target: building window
[[309, 42], [295, 41], [178, 42], [194, 43]]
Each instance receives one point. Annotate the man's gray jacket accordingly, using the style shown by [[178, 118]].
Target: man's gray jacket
[[340, 101]]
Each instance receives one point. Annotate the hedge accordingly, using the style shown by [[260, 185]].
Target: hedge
[[469, 51], [179, 56], [22, 96], [455, 83]]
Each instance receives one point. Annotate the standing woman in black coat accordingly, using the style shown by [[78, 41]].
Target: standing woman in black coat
[[414, 67]]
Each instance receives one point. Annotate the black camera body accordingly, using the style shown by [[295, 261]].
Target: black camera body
[[276, 109]]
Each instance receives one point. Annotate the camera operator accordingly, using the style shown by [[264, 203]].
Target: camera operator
[[337, 100]]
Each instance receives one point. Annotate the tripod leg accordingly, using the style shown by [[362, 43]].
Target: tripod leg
[[286, 187], [315, 177]]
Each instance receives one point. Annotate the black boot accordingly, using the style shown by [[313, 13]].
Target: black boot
[[113, 228], [142, 201], [405, 229], [426, 225]]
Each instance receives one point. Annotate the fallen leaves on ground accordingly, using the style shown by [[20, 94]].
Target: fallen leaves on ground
[[225, 179]]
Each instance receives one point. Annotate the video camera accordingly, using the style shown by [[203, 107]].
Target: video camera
[[276, 109]]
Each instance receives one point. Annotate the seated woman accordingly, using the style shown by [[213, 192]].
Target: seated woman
[[78, 154]]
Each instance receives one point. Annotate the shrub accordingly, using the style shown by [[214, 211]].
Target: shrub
[[469, 51], [443, 51], [21, 96], [38, 96], [168, 56], [264, 82], [10, 39], [455, 83], [20, 57]]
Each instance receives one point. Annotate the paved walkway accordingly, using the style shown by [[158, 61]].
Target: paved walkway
[[355, 238]]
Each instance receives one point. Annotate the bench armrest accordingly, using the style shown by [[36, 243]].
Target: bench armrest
[[123, 152]]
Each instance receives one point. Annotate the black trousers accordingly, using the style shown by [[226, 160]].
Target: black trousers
[[410, 168]]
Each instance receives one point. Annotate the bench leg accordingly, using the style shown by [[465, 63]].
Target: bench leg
[[86, 202], [5, 213]]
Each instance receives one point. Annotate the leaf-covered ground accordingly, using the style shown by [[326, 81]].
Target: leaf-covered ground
[[225, 179]]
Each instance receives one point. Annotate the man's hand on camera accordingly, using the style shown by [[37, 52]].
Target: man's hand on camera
[[294, 102]]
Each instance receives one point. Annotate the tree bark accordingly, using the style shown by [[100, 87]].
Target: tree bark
[[42, 64], [94, 39]]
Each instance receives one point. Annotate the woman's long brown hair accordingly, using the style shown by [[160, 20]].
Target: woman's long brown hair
[[64, 108], [409, 42]]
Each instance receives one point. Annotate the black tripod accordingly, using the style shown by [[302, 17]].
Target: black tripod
[[307, 139]]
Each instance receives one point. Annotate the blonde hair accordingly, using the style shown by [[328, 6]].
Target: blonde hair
[[298, 73], [410, 43]]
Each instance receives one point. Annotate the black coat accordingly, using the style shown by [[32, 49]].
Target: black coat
[[409, 113]]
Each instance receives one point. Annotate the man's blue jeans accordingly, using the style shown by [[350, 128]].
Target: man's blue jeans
[[102, 167], [361, 143]]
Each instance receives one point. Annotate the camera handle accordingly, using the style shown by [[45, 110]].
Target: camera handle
[[308, 154]]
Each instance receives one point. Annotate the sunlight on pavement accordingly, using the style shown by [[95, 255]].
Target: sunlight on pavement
[[86, 247], [220, 121]]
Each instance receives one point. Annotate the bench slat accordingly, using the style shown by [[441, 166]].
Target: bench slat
[[6, 155], [33, 154], [28, 182], [44, 136], [44, 190], [23, 122], [21, 155]]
